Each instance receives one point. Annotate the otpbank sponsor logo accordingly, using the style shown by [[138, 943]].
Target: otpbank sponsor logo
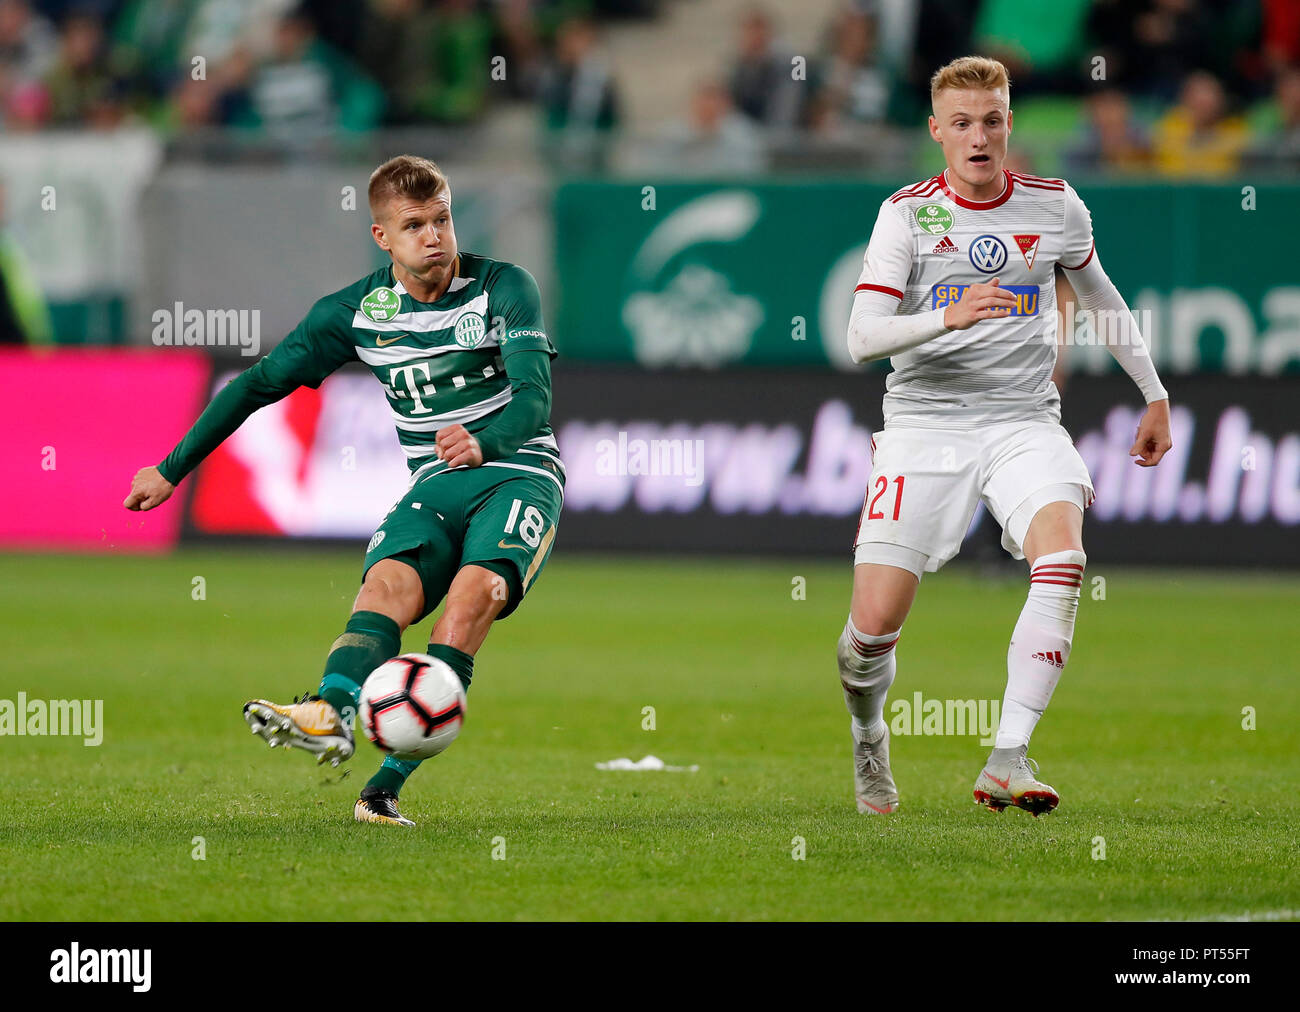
[[1026, 297]]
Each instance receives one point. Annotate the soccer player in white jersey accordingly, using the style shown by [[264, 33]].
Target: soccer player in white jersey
[[957, 290]]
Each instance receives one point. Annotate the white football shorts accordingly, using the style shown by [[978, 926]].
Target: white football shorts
[[926, 483]]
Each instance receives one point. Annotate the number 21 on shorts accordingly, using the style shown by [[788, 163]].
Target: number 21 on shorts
[[882, 484]]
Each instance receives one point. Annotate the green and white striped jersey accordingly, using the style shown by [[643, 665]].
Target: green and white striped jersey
[[440, 363]]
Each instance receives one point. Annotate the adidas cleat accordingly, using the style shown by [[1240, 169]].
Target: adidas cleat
[[308, 723], [378, 805], [1011, 780], [873, 783]]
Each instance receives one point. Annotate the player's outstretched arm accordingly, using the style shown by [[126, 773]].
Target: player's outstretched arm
[[243, 395], [314, 349]]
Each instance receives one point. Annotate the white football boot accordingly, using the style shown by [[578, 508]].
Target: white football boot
[[1010, 778], [873, 783]]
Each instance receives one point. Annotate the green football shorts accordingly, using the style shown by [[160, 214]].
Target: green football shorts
[[502, 516]]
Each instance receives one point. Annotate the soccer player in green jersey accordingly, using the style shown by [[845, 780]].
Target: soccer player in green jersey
[[458, 343]]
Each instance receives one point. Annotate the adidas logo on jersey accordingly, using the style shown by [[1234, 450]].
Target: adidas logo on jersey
[[1052, 657], [946, 245]]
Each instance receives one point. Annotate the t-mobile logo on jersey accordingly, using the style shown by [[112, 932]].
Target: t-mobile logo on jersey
[[412, 389]]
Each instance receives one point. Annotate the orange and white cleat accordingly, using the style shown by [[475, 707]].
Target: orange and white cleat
[[308, 723]]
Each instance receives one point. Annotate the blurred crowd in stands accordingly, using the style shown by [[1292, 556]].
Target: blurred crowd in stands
[[291, 64], [1182, 88], [1174, 87]]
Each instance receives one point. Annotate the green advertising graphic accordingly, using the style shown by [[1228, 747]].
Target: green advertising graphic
[[712, 275]]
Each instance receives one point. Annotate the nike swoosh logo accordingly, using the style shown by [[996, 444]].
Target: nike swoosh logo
[[381, 343], [1001, 783], [502, 544]]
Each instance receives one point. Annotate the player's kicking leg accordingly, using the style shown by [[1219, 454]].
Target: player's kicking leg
[[501, 551], [474, 600], [391, 598], [1040, 647], [882, 597]]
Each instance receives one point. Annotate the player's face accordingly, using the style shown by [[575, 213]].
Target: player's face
[[420, 237], [972, 127]]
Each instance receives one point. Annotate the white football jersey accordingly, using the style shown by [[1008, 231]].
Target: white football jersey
[[928, 245]]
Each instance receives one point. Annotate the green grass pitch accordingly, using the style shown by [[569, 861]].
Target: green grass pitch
[[1144, 740]]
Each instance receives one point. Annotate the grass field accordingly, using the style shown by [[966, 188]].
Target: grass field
[[1144, 740]]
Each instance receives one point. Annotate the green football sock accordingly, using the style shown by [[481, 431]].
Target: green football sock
[[368, 640], [393, 773]]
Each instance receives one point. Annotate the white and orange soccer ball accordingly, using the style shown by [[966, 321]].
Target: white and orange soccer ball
[[412, 706]]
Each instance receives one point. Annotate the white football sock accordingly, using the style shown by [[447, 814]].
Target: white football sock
[[866, 673], [1040, 644]]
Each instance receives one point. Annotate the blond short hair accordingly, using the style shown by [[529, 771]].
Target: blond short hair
[[971, 73], [406, 176]]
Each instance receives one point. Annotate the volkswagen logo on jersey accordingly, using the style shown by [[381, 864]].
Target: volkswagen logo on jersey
[[988, 254], [470, 329]]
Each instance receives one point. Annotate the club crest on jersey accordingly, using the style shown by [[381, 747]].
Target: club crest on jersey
[[946, 245], [1028, 248], [934, 219], [381, 305], [470, 329], [988, 254]]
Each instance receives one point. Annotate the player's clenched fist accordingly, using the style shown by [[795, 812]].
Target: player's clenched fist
[[456, 446], [148, 489], [979, 302]]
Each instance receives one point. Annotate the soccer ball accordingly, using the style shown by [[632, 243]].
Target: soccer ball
[[412, 706]]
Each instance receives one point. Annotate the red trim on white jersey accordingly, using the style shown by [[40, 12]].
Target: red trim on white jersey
[[980, 205], [1078, 267], [878, 288], [922, 189], [1038, 182]]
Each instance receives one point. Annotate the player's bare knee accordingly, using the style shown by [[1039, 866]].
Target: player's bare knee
[[476, 598], [392, 590], [876, 622]]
